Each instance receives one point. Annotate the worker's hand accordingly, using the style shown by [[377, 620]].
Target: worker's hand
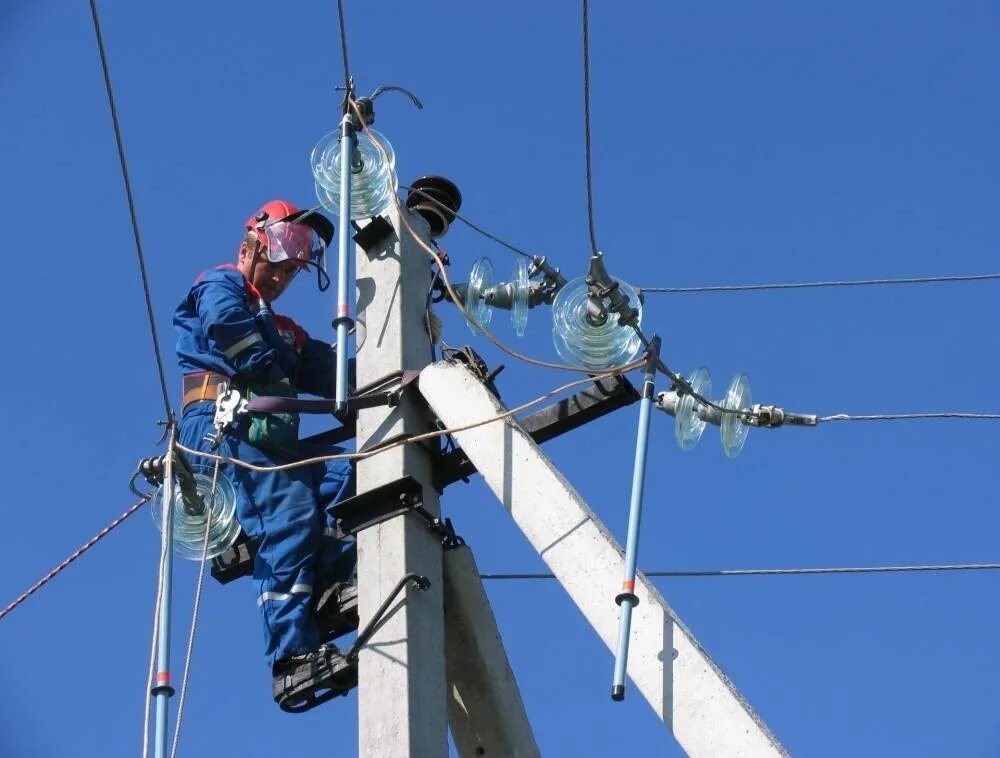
[[432, 325]]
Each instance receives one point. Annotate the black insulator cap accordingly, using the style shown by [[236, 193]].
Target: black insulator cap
[[618, 692], [436, 199]]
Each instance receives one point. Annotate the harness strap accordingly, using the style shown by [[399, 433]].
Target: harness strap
[[201, 386]]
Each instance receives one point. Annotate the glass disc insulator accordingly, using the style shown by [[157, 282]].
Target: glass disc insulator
[[582, 341], [734, 430], [480, 280], [688, 425], [372, 179], [522, 288], [190, 519]]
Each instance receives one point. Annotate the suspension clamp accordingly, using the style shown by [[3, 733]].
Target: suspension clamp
[[601, 285]]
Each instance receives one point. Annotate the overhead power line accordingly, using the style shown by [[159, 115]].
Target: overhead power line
[[131, 209], [343, 47], [586, 124], [819, 284], [690, 573], [735, 287], [912, 416]]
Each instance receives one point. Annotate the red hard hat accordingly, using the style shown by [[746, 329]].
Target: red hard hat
[[275, 210], [288, 233]]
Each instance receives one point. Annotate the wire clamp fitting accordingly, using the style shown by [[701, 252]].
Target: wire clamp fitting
[[771, 417]]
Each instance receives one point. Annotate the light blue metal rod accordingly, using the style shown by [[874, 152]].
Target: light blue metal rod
[[342, 320], [627, 599], [162, 690]]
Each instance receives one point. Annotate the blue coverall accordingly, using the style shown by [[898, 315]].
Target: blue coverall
[[218, 330]]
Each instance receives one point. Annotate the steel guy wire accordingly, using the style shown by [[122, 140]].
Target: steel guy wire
[[819, 284], [131, 210], [690, 573], [586, 124], [76, 554]]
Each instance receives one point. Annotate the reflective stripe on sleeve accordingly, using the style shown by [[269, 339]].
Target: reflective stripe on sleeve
[[242, 345]]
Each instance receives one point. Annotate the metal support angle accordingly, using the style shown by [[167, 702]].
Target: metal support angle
[[354, 514], [392, 499], [606, 396]]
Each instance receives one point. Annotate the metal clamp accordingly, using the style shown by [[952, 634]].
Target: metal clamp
[[228, 405], [601, 286], [771, 417], [442, 527]]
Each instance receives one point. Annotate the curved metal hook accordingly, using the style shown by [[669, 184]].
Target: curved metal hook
[[366, 105], [394, 88]]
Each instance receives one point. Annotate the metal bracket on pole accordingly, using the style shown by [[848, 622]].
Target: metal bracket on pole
[[378, 504], [373, 233], [605, 396]]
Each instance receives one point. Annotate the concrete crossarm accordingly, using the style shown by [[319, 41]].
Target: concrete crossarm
[[692, 696]]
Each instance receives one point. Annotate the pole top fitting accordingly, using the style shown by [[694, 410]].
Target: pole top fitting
[[436, 199]]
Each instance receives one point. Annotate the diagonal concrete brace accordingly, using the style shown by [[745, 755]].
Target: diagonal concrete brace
[[693, 697]]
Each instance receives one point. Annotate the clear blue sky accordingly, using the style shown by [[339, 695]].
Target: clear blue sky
[[733, 142]]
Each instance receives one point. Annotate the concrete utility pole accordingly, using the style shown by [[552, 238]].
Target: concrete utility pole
[[485, 710], [402, 699], [407, 694], [693, 697]]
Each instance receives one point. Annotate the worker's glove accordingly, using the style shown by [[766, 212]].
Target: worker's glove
[[432, 325], [276, 433]]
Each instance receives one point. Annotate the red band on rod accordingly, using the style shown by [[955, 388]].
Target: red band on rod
[[628, 586]]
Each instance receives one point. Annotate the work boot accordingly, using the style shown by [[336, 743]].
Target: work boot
[[336, 610], [306, 680]]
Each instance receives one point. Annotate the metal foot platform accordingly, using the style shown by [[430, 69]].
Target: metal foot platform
[[314, 682]]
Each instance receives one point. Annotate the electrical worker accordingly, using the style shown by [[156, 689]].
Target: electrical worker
[[226, 333]]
